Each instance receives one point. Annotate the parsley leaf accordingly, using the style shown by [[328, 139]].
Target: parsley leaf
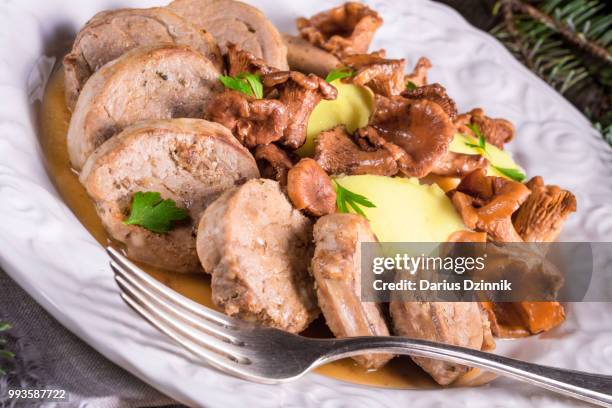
[[4, 326], [255, 83], [339, 74], [346, 198], [514, 174], [411, 85], [482, 142], [247, 83], [151, 212]]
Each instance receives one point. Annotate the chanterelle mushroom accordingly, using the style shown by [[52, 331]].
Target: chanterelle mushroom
[[418, 76], [282, 115], [336, 153], [435, 93], [458, 164], [541, 217], [273, 162], [299, 93], [310, 188], [486, 203], [383, 76], [343, 30], [239, 61], [496, 131], [420, 128], [252, 121]]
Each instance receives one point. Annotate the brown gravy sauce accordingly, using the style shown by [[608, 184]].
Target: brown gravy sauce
[[401, 372]]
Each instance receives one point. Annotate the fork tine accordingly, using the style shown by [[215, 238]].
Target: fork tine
[[181, 333], [129, 268], [224, 340]]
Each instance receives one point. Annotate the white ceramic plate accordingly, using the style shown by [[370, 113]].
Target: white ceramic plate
[[47, 251]]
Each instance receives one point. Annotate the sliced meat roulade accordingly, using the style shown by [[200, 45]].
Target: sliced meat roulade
[[111, 33], [457, 323], [336, 267], [235, 22], [190, 161], [158, 82], [257, 248]]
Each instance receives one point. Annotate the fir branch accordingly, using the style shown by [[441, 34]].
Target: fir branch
[[4, 354], [581, 41]]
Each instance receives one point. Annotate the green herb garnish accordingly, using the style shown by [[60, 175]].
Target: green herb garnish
[[151, 212], [339, 74], [411, 85], [346, 198], [4, 354], [514, 174], [482, 142], [247, 83]]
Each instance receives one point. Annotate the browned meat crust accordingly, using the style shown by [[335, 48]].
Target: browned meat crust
[[457, 323], [190, 161], [541, 217], [343, 30], [158, 82], [111, 33], [257, 248], [310, 189], [336, 267], [487, 203], [235, 22]]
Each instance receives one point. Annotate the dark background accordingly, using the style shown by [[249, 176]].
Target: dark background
[[590, 97]]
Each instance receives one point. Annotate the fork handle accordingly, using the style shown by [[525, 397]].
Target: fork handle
[[593, 388]]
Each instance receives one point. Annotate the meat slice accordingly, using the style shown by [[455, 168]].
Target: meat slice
[[158, 82], [235, 22], [304, 57], [336, 267], [111, 33], [190, 161], [457, 323], [257, 248]]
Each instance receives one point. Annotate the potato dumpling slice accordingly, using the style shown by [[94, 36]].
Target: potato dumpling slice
[[496, 156], [405, 211], [351, 108]]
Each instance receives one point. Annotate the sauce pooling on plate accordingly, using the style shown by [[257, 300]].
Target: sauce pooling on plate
[[54, 119]]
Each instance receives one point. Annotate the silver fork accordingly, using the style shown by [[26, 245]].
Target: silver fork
[[270, 356]]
